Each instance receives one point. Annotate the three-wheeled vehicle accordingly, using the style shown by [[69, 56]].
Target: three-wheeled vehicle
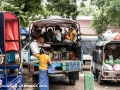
[[106, 61], [65, 56], [10, 68]]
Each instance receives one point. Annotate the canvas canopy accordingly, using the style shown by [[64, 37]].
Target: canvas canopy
[[9, 32], [53, 22], [103, 43]]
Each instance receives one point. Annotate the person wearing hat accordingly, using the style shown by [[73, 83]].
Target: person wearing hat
[[44, 61]]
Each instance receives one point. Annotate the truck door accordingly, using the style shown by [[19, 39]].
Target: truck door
[[24, 54]]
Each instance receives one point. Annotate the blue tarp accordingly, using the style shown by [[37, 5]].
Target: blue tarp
[[23, 31]]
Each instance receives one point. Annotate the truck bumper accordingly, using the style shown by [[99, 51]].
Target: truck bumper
[[57, 72], [111, 75]]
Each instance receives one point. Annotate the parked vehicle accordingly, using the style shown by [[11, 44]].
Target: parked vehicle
[[88, 43], [65, 66], [106, 61], [10, 70]]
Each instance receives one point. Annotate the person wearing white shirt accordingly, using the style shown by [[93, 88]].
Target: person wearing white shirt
[[34, 47], [57, 36]]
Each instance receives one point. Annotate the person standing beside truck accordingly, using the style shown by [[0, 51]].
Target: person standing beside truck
[[44, 61]]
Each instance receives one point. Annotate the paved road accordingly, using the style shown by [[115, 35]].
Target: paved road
[[63, 85]]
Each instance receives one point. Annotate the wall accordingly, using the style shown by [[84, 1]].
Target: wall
[[85, 27]]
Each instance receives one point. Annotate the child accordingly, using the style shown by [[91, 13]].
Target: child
[[44, 61]]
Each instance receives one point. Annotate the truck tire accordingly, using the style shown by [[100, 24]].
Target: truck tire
[[35, 79], [73, 76], [100, 81], [72, 82], [57, 77]]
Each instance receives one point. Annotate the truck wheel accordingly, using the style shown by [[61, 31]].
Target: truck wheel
[[35, 79], [72, 82], [57, 77], [100, 81]]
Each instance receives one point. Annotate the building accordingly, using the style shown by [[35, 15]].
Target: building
[[86, 28], [85, 24]]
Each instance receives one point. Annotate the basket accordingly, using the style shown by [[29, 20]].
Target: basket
[[51, 69], [89, 82]]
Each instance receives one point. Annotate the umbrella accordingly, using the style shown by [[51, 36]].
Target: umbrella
[[23, 31]]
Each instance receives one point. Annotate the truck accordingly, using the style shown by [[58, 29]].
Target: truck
[[88, 42], [10, 50], [105, 61], [61, 56]]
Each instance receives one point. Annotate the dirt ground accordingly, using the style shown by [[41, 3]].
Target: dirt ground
[[64, 85]]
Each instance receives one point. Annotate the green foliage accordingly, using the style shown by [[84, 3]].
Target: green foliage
[[100, 22], [64, 8], [109, 14], [85, 8], [29, 10], [26, 10]]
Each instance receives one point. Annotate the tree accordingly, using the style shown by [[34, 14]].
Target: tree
[[108, 13], [29, 10], [26, 10], [85, 8], [64, 8]]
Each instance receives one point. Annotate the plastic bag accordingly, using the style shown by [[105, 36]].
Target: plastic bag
[[67, 41], [108, 67], [116, 67], [117, 61], [110, 57], [110, 62], [108, 35]]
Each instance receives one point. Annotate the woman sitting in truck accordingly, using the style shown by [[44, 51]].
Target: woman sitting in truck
[[73, 33]]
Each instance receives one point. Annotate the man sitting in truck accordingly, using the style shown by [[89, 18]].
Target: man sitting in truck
[[36, 42], [57, 35]]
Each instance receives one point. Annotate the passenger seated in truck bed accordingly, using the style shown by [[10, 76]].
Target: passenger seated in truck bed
[[57, 36]]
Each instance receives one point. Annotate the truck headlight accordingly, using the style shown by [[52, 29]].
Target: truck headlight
[[106, 73]]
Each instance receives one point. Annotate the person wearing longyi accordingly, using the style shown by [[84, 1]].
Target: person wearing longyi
[[44, 61]]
